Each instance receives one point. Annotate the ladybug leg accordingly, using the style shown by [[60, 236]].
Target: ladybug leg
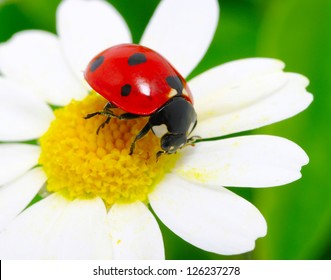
[[102, 125], [105, 111], [128, 116], [159, 153], [108, 106], [191, 141], [92, 115], [110, 114], [140, 135]]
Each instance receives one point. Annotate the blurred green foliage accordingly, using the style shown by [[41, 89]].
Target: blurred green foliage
[[295, 31]]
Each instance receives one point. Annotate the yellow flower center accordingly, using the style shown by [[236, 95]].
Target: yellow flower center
[[82, 164]]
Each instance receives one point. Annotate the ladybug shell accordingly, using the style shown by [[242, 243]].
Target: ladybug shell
[[135, 78]]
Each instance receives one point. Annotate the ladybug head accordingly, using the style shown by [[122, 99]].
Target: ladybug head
[[174, 123], [170, 143]]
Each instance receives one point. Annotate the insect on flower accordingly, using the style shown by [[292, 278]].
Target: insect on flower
[[141, 82]]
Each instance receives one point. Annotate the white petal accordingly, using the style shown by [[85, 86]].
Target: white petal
[[135, 232], [15, 196], [218, 85], [16, 159], [254, 99], [214, 220], [25, 237], [35, 60], [79, 233], [181, 30], [23, 116], [88, 27], [56, 228], [251, 161]]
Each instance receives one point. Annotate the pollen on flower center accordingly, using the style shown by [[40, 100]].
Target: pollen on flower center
[[82, 164]]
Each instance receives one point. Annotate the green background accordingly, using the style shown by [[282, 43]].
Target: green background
[[295, 31]]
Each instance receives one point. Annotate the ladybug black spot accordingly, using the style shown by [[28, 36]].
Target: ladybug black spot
[[176, 83], [126, 89], [136, 59], [96, 63]]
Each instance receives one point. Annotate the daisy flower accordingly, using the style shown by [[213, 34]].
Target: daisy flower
[[95, 195]]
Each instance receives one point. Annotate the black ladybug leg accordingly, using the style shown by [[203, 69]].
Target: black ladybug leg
[[140, 135], [128, 116], [92, 115], [159, 153], [105, 111], [192, 140], [109, 106], [103, 124], [110, 114]]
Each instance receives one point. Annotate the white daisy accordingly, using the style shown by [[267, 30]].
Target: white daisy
[[96, 204]]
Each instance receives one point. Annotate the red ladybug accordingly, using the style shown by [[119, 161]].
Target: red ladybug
[[141, 82]]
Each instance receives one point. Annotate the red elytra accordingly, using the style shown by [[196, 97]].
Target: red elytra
[[135, 78]]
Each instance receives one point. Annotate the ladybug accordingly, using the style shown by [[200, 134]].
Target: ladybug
[[141, 82]]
